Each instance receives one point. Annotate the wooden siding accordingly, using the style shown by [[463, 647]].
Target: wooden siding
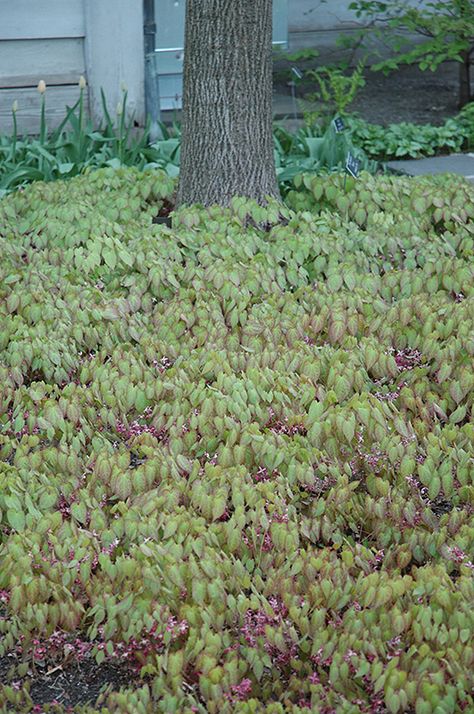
[[24, 62], [115, 54], [40, 39], [39, 19], [60, 40]]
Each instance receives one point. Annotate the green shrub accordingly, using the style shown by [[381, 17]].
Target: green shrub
[[337, 88], [466, 120], [411, 140], [236, 454], [446, 29]]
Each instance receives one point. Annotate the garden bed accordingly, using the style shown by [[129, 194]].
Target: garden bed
[[236, 454], [407, 95]]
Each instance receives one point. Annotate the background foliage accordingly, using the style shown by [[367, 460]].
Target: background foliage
[[76, 146], [445, 29]]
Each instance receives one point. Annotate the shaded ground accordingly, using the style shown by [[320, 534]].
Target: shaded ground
[[76, 683], [79, 683], [405, 95]]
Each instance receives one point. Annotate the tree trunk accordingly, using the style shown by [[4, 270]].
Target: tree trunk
[[227, 139], [464, 79]]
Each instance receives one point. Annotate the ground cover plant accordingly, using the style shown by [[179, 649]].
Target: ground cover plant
[[236, 454]]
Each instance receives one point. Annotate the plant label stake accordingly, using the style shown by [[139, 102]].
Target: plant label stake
[[338, 124], [352, 167], [296, 72]]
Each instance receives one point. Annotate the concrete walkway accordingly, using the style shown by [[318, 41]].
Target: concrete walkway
[[461, 164]]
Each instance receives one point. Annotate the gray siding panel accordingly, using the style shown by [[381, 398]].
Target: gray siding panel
[[37, 19], [24, 62], [115, 54], [40, 39], [317, 15]]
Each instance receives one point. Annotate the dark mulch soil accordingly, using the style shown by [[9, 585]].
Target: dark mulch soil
[[75, 683], [408, 95], [5, 664], [441, 506]]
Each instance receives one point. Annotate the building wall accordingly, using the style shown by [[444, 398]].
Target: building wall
[[39, 39], [318, 23], [60, 40]]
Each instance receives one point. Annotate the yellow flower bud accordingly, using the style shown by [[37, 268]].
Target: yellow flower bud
[[123, 87], [15, 107], [41, 86], [119, 109], [82, 82]]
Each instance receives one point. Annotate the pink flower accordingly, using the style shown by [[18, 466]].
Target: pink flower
[[239, 692]]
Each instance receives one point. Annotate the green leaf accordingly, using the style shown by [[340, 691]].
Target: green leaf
[[16, 519], [13, 301], [348, 427], [458, 415], [65, 168], [110, 258], [434, 487], [79, 511], [258, 668], [315, 412], [141, 402], [47, 501], [126, 257]]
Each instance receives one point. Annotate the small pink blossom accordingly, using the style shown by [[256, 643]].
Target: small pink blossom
[[239, 692]]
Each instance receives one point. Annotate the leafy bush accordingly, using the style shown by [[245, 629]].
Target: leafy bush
[[466, 120], [236, 454], [337, 89], [413, 140]]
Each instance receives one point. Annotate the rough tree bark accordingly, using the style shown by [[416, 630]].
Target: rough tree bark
[[227, 141]]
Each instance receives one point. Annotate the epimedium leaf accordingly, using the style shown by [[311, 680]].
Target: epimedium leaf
[[110, 257], [79, 511], [16, 519]]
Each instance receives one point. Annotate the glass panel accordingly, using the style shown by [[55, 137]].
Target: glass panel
[[169, 42]]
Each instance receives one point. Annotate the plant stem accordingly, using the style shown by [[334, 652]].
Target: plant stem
[[81, 121], [464, 79], [43, 120], [122, 126], [14, 136]]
